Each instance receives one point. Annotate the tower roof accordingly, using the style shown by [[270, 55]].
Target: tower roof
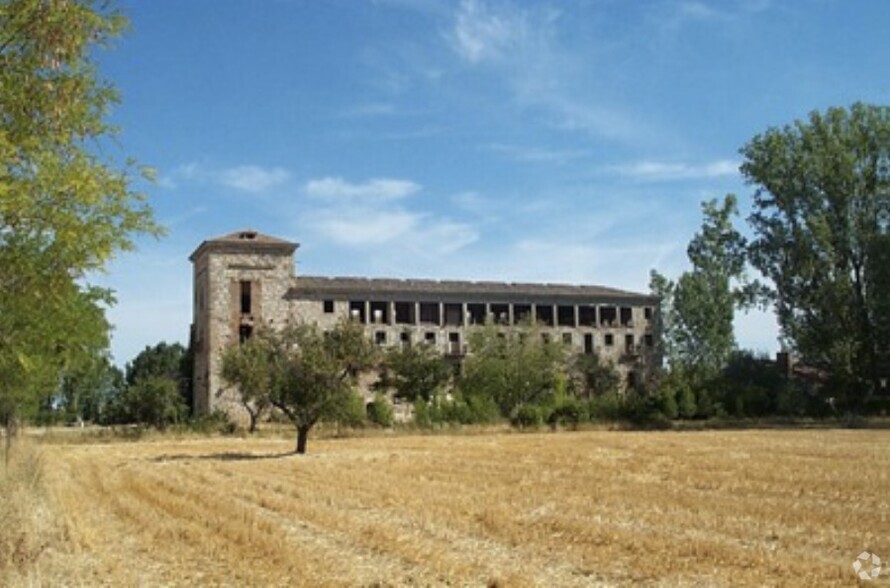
[[245, 241]]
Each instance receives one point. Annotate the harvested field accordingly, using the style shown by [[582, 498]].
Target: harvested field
[[569, 509]]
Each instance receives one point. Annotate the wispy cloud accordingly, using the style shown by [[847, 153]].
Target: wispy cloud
[[372, 190], [482, 32], [253, 179], [652, 171], [373, 213], [537, 154], [371, 109], [521, 45]]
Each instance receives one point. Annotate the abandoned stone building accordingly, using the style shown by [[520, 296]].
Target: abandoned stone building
[[245, 279]]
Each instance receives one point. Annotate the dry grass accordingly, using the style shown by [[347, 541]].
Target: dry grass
[[569, 509]]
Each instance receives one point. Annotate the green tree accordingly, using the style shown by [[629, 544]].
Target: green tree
[[314, 372], [87, 393], [816, 220], [248, 367], [415, 371], [697, 310], [595, 377], [511, 369], [66, 207], [155, 383], [154, 401]]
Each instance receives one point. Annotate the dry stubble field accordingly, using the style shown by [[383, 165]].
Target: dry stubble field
[[569, 509]]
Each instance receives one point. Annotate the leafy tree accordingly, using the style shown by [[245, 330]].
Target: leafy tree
[[248, 366], [163, 360], [88, 393], [416, 371], [153, 400], [816, 221], [698, 309], [65, 207], [511, 369], [594, 375], [314, 372]]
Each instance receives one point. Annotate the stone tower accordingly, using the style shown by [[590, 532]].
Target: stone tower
[[240, 282]]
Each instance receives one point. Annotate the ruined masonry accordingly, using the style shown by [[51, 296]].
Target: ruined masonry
[[245, 279]]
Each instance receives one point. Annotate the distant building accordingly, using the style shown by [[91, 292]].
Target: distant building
[[247, 279]]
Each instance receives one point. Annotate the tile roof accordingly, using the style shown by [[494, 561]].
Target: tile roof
[[317, 286]]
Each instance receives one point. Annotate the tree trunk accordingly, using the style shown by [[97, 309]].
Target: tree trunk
[[253, 418], [302, 437]]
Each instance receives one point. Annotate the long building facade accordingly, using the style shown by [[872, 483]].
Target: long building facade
[[247, 279]]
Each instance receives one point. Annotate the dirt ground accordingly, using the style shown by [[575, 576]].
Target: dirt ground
[[715, 508]]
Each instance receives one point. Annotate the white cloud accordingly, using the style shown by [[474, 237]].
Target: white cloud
[[371, 213], [370, 110], [537, 154], [365, 227], [668, 171], [252, 178], [381, 189], [521, 45], [481, 32]]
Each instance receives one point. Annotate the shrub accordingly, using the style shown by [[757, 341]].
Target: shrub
[[569, 412], [608, 407], [527, 416], [380, 411]]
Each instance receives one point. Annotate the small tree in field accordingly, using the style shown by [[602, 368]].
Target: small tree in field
[[313, 372], [248, 366]]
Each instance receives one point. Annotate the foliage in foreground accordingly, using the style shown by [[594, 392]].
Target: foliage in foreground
[[65, 209]]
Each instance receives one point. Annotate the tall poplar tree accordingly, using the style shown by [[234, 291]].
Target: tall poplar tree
[[65, 207]]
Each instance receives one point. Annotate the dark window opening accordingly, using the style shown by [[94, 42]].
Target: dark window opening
[[631, 380], [244, 333], [476, 314], [609, 339], [587, 316], [453, 316], [626, 316], [522, 313], [454, 343], [501, 313], [245, 297], [567, 338], [328, 306], [649, 340], [405, 313], [430, 337], [429, 313], [357, 310], [380, 312], [608, 316], [565, 316], [544, 314], [647, 312], [629, 343], [405, 338], [380, 337], [588, 343]]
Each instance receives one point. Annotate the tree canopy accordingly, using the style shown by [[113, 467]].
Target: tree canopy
[[817, 228], [65, 209]]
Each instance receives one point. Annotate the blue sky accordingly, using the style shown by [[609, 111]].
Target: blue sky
[[523, 141]]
